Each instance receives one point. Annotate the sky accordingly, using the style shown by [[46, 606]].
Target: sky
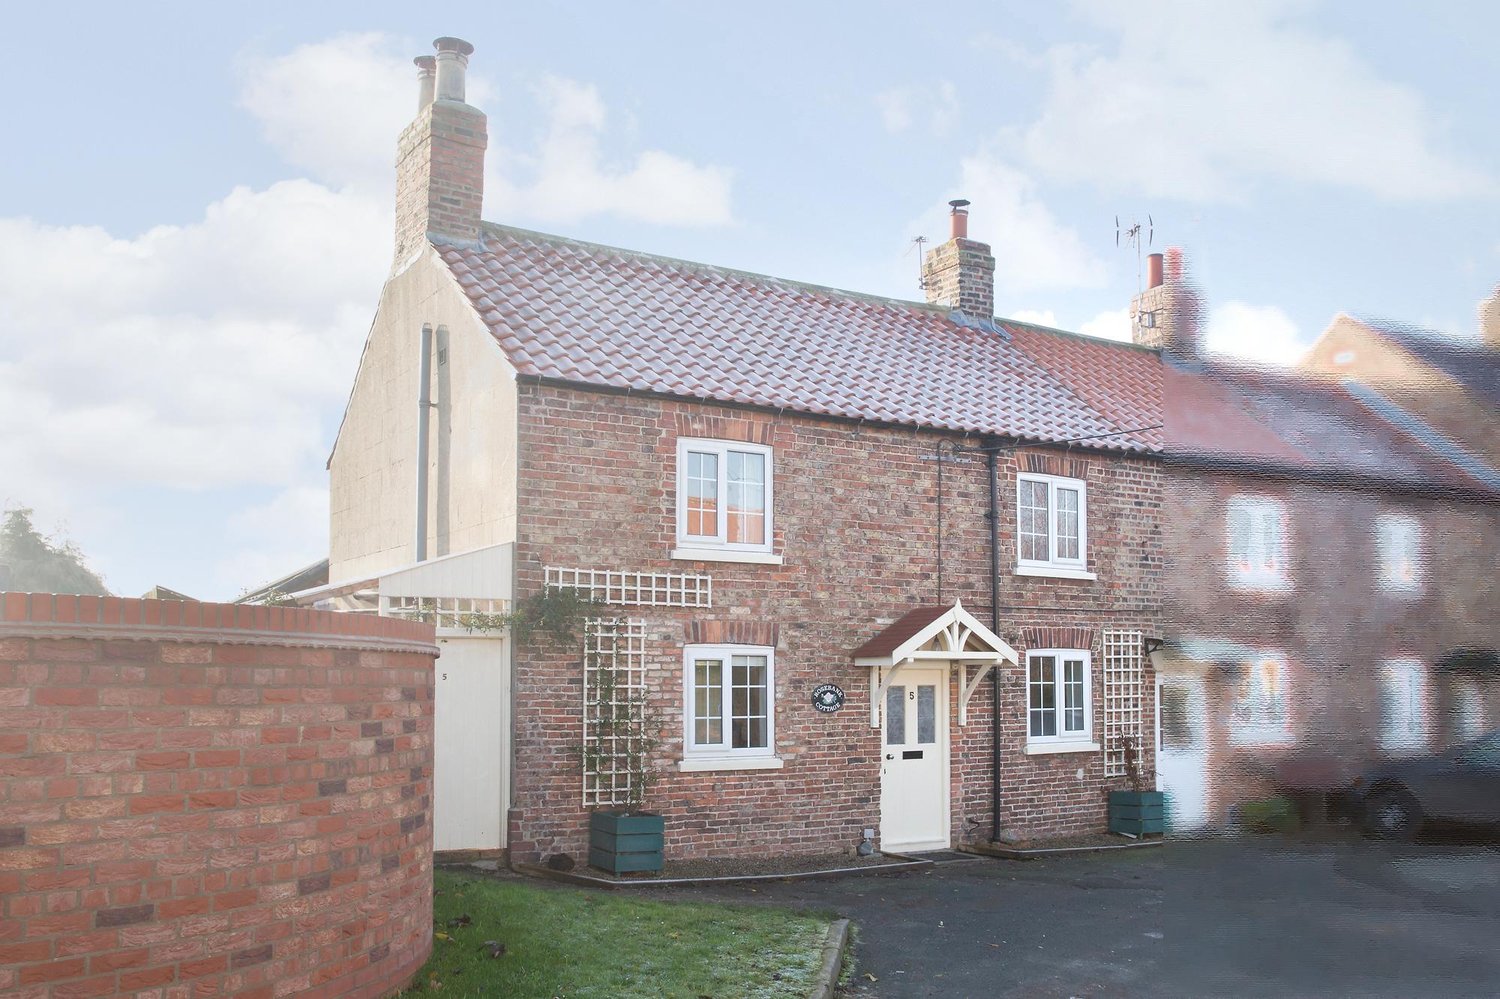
[[196, 199]]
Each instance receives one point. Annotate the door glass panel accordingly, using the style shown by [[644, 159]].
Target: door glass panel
[[1176, 722], [926, 713], [895, 716]]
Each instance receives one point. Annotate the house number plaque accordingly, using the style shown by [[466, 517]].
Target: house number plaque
[[828, 697]]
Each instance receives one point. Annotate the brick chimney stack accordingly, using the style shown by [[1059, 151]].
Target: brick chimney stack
[[1169, 313], [960, 274], [1489, 321], [440, 156]]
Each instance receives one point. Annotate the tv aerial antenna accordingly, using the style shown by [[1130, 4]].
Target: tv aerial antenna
[[916, 244], [1132, 234]]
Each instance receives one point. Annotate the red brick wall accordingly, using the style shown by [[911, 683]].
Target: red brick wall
[[201, 799], [1335, 625], [855, 520]]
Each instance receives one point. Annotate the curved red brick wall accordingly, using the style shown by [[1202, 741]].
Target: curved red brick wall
[[207, 799]]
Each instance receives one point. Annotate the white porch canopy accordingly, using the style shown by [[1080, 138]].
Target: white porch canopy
[[933, 636]]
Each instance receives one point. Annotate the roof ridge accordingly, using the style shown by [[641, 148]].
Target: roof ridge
[[1106, 341], [1431, 441], [700, 265]]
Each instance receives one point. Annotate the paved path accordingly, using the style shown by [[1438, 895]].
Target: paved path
[[1226, 918]]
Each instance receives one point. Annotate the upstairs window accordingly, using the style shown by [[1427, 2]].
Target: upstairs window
[[1402, 562], [1051, 523], [1257, 543], [723, 496]]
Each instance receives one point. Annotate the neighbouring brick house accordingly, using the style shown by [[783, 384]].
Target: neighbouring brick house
[[1331, 568], [774, 487]]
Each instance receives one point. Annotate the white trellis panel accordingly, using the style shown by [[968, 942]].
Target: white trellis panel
[[452, 615], [635, 589], [1124, 696], [616, 645]]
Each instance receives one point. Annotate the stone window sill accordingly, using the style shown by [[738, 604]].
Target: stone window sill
[[1054, 572], [706, 764], [1042, 748], [725, 555]]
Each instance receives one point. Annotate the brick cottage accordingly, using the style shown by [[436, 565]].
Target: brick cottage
[[774, 488], [1330, 592]]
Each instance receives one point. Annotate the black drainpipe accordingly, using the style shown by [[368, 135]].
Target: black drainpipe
[[992, 455]]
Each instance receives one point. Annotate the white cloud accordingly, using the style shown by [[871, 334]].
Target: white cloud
[[335, 107], [936, 105], [267, 541], [191, 358], [1262, 333], [1200, 101], [571, 178], [1111, 325], [1037, 317], [1033, 250]]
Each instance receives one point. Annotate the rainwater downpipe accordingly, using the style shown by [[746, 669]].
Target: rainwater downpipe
[[992, 459], [424, 410]]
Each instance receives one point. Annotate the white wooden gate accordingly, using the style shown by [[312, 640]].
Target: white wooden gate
[[471, 780]]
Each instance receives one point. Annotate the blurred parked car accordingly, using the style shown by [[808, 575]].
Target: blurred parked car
[[1461, 786]]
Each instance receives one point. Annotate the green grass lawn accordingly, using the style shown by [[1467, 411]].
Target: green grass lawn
[[572, 942]]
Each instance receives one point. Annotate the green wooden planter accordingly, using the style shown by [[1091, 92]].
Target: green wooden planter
[[623, 843], [1138, 813]]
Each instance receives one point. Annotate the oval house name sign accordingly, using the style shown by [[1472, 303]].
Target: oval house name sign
[[828, 697]]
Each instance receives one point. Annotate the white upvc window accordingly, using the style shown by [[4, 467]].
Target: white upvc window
[[1257, 547], [1402, 559], [724, 497], [729, 710], [1260, 711], [1051, 526], [1058, 699], [1403, 704]]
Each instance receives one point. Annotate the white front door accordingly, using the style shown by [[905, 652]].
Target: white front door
[[914, 762], [1182, 751], [471, 744]]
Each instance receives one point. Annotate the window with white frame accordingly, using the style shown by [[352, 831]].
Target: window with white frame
[[1403, 703], [1257, 543], [723, 495], [1058, 697], [1051, 522], [1399, 538], [730, 710], [1259, 712]]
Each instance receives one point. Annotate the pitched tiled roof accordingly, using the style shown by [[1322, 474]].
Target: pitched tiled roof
[[613, 318], [895, 634], [1115, 378], [1297, 422], [1471, 365]]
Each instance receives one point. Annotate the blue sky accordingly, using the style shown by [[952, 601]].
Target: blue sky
[[195, 209]]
